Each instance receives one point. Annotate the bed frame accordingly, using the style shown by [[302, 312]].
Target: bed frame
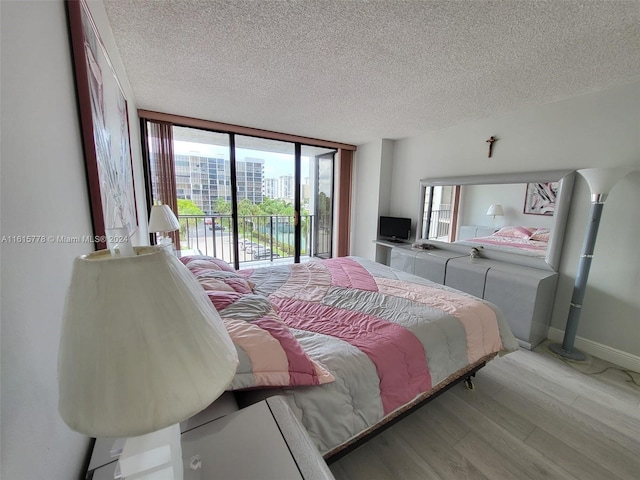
[[464, 375]]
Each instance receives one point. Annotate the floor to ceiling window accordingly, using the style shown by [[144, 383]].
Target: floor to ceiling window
[[245, 199]]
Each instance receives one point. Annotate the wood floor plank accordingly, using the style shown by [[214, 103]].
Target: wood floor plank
[[389, 448], [530, 463], [624, 422], [546, 414], [515, 423], [430, 446], [571, 459], [362, 464], [589, 425], [533, 373], [449, 427], [601, 371], [578, 425], [567, 376], [492, 463]]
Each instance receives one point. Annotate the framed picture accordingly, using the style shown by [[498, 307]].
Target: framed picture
[[540, 198], [105, 128]]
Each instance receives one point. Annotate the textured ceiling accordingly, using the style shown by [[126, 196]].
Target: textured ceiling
[[355, 71]]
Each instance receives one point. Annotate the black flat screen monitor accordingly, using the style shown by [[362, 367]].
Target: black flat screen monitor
[[395, 228]]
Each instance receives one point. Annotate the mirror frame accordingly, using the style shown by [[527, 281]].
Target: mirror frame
[[565, 178]]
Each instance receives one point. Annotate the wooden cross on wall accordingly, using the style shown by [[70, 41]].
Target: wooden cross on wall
[[490, 142]]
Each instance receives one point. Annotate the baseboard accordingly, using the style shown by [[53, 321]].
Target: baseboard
[[617, 357]]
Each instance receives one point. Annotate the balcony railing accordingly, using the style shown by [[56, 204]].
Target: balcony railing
[[260, 237], [440, 223]]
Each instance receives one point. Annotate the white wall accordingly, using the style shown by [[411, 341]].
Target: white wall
[[601, 129], [371, 198], [475, 200], [367, 167], [43, 192]]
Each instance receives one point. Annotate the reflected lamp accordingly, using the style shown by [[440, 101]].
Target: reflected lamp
[[495, 210]]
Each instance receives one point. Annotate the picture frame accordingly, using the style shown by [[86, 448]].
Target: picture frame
[[104, 119], [540, 198]]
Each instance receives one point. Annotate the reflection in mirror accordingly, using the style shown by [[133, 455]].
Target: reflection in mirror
[[513, 217], [439, 212]]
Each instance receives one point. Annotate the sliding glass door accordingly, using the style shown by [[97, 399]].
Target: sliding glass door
[[251, 201], [266, 204], [317, 194]]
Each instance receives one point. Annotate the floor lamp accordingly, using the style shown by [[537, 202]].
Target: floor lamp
[[600, 181]]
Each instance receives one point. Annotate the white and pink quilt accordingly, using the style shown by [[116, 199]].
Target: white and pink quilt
[[347, 341]]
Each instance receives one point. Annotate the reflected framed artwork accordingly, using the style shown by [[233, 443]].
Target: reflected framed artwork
[[540, 198], [105, 128]]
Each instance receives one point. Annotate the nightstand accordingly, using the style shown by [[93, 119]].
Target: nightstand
[[262, 441]]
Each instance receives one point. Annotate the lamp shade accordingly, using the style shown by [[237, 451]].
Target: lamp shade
[[495, 210], [601, 180], [141, 347], [162, 219]]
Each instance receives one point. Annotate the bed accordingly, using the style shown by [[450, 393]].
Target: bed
[[349, 343], [530, 241]]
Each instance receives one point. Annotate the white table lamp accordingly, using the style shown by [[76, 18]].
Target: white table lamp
[[142, 348], [163, 220], [494, 211]]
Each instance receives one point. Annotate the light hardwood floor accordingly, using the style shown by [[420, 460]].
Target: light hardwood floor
[[530, 416]]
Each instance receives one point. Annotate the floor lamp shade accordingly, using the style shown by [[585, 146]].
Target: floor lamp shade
[[142, 348], [602, 180]]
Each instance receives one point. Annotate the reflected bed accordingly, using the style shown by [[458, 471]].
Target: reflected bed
[[530, 241]]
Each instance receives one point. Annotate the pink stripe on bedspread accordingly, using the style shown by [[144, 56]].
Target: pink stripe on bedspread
[[477, 318], [301, 371], [348, 273], [399, 357]]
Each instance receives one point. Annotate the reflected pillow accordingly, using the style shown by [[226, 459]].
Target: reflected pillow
[[541, 235], [515, 232]]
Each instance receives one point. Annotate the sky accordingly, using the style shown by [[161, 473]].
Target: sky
[[275, 164]]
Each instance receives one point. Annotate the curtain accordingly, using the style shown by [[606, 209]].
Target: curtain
[[162, 168]]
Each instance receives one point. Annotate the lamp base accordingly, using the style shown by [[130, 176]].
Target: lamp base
[[166, 242], [574, 354], [154, 456]]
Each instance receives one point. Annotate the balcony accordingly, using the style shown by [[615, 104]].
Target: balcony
[[440, 224], [262, 239]]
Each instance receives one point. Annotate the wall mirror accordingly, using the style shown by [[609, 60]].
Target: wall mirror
[[515, 217]]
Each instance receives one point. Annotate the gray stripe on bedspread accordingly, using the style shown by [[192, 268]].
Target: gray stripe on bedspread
[[336, 411], [268, 280], [249, 307], [431, 326], [243, 380]]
